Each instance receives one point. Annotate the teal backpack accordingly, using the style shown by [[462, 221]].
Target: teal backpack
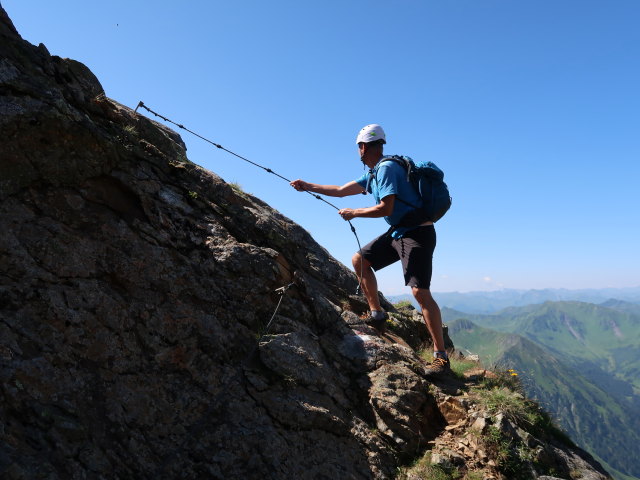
[[428, 180]]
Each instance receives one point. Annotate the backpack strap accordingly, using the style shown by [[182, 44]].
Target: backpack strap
[[406, 165], [416, 216]]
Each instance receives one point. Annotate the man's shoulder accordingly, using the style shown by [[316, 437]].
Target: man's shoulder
[[391, 163]]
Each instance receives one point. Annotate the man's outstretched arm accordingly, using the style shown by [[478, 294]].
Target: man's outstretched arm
[[383, 209], [351, 188]]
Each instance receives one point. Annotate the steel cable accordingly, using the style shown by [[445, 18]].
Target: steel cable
[[266, 169]]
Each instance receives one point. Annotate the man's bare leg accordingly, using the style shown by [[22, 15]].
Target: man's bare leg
[[368, 281], [431, 315]]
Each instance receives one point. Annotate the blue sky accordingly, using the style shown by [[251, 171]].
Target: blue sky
[[532, 109]]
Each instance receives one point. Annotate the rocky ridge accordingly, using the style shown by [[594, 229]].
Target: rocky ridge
[[135, 289]]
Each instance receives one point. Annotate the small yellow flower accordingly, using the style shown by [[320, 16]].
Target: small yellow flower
[[514, 374]]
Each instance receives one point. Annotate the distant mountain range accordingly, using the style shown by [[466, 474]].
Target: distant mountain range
[[580, 360], [491, 302]]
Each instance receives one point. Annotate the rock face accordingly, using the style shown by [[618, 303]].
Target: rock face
[[135, 290]]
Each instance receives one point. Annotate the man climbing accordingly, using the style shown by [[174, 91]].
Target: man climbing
[[413, 245]]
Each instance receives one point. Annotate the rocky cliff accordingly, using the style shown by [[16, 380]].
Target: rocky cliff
[[135, 292]]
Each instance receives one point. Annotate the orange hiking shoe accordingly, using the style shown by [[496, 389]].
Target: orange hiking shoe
[[439, 367]]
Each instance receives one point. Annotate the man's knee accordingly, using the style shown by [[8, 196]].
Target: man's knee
[[358, 261], [423, 296], [417, 291]]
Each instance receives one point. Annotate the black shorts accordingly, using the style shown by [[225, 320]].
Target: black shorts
[[414, 250]]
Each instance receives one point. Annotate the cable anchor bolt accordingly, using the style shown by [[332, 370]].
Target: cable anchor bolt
[[282, 290]]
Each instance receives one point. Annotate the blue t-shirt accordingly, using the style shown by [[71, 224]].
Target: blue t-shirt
[[390, 178]]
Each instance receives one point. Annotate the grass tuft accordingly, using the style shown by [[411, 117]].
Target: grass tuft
[[404, 304], [423, 469], [460, 366], [510, 403], [236, 187], [526, 413], [131, 130]]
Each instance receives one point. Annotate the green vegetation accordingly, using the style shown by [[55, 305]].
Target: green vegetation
[[403, 304], [236, 187], [390, 322], [424, 469], [426, 354], [459, 366], [521, 411], [577, 360], [505, 379], [578, 332], [512, 404], [486, 343], [500, 393], [512, 458], [131, 130], [181, 161]]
